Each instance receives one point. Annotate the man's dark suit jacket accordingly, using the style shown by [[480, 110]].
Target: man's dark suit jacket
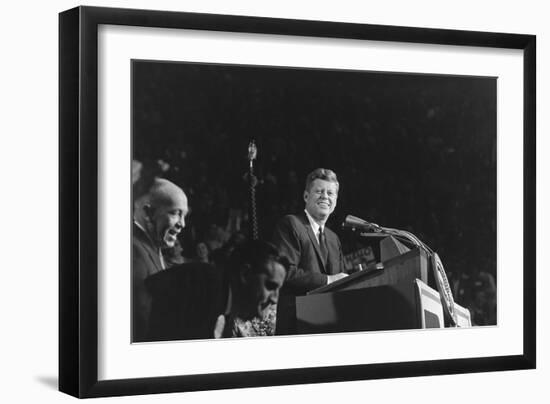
[[186, 301], [295, 239], [145, 262]]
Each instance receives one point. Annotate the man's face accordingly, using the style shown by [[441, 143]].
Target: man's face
[[321, 199], [202, 250], [262, 288], [167, 220]]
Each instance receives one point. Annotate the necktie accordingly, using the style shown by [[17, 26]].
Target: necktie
[[323, 245]]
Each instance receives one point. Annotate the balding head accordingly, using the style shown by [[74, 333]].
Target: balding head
[[164, 192], [165, 209]]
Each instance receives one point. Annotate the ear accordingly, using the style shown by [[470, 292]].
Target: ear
[[148, 210], [306, 195]]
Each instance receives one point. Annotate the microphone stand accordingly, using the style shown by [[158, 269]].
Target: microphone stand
[[441, 280], [252, 152]]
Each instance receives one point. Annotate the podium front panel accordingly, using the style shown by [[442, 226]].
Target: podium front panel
[[372, 309]]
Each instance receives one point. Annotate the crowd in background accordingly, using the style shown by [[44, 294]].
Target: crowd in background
[[418, 157], [218, 221]]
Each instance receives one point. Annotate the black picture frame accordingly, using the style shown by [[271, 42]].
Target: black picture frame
[[78, 200]]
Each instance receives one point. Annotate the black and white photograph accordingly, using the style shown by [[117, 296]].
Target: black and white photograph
[[273, 201], [297, 202]]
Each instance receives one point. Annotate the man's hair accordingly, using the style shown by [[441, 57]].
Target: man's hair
[[322, 174], [255, 255]]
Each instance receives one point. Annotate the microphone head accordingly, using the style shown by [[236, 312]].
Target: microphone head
[[353, 221], [357, 223]]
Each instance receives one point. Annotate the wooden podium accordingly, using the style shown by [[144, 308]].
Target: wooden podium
[[382, 298]]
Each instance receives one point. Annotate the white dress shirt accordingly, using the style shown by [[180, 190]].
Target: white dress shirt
[[317, 228]]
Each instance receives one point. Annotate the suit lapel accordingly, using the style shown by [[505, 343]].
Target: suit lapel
[[154, 256], [314, 241], [332, 246]]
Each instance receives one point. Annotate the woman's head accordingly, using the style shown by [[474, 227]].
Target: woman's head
[[257, 274]]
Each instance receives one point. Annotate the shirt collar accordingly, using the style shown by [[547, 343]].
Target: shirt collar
[[314, 225], [138, 224]]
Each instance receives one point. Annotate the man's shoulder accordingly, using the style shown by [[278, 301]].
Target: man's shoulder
[[331, 235], [184, 276], [328, 230], [294, 222], [139, 237], [142, 246], [293, 219]]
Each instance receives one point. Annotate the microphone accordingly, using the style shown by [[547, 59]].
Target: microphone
[[357, 223]]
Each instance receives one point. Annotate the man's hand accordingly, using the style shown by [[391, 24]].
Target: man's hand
[[335, 277]]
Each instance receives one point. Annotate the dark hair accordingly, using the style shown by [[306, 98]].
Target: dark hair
[[322, 174], [255, 254]]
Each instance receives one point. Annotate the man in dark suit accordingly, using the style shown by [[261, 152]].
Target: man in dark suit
[[314, 251], [160, 219]]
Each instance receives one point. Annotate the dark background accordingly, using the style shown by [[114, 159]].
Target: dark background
[[414, 152]]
